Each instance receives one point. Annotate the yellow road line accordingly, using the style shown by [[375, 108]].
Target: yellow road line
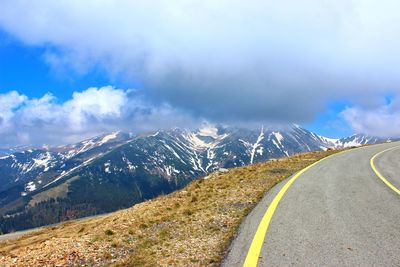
[[258, 240], [379, 174]]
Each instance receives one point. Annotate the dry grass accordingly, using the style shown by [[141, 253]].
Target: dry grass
[[59, 191], [191, 227]]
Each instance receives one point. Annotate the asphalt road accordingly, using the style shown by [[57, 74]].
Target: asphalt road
[[336, 213], [16, 235]]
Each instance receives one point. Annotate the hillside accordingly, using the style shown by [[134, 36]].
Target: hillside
[[116, 170], [192, 226]]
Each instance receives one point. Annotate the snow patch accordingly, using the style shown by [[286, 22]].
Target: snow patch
[[131, 167], [278, 137], [257, 145], [173, 151], [108, 138], [154, 135], [170, 170], [42, 161], [107, 167], [64, 173], [260, 151], [30, 187]]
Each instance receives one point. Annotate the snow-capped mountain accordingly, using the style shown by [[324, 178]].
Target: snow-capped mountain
[[5, 152], [9, 151], [117, 170], [33, 169], [358, 140]]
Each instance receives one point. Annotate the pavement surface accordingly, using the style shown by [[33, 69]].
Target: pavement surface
[[16, 235], [336, 213]]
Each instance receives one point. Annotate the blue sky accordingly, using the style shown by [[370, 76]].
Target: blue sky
[[330, 122], [67, 72], [23, 68]]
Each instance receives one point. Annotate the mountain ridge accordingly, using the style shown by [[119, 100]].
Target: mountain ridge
[[116, 170]]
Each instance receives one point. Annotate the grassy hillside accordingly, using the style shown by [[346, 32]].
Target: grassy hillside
[[193, 226]]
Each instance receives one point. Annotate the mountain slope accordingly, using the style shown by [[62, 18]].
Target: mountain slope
[[116, 170]]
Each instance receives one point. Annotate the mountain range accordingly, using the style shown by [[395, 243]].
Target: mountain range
[[117, 170]]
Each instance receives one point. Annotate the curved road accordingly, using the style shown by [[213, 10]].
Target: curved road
[[336, 213]]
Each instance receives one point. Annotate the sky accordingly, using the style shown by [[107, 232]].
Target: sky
[[73, 69]]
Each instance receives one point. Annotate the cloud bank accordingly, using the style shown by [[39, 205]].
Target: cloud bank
[[25, 121], [382, 121], [228, 61]]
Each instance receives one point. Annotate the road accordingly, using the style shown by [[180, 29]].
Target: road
[[338, 212], [16, 235]]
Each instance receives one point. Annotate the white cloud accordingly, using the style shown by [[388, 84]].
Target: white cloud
[[98, 104], [87, 113], [381, 121], [93, 104], [224, 60], [8, 103]]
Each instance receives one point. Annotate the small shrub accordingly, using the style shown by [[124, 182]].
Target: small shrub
[[109, 232], [143, 226], [187, 212]]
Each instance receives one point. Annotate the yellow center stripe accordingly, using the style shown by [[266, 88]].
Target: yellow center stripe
[[379, 174], [258, 240]]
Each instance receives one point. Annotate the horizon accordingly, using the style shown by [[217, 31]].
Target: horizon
[[204, 125]]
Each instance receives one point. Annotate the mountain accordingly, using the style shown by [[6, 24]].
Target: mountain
[[5, 152], [358, 140], [9, 151], [116, 170], [37, 168]]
